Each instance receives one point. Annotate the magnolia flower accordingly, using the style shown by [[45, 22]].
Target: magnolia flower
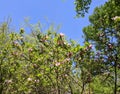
[[110, 45], [21, 38], [67, 59], [101, 34], [57, 64], [115, 18], [30, 49], [8, 81], [46, 36], [15, 43], [37, 81], [90, 46], [61, 34], [66, 75], [65, 43], [29, 79]]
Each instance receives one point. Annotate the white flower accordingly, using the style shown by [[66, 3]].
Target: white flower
[[90, 46], [67, 59], [57, 64], [110, 46], [61, 34], [69, 44], [30, 49], [37, 81], [29, 79], [8, 81], [66, 75], [15, 43], [21, 38], [115, 18]]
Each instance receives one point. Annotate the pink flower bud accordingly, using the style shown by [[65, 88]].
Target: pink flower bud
[[30, 49], [90, 46], [110, 46], [70, 54], [15, 43], [98, 53]]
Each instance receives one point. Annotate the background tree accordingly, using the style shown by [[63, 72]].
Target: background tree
[[103, 32], [82, 6]]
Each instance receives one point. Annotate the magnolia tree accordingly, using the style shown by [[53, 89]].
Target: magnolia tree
[[43, 63], [48, 63]]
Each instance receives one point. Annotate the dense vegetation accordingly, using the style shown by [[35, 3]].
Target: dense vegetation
[[48, 63], [41, 63], [82, 6]]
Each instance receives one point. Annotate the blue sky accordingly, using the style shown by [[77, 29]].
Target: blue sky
[[59, 12]]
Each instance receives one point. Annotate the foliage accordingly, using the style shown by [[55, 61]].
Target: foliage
[[41, 63], [48, 63], [103, 32], [82, 6]]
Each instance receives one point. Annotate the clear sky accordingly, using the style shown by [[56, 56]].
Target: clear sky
[[59, 12]]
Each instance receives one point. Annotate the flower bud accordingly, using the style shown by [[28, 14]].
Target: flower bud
[[15, 43], [90, 46], [110, 46], [70, 54], [30, 49], [35, 65], [22, 31]]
